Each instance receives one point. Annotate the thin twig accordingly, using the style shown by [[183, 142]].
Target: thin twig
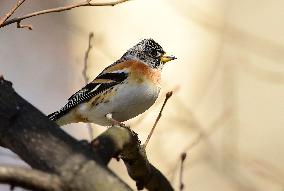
[[12, 11], [19, 25], [85, 75], [181, 184], [60, 9], [90, 46], [168, 95]]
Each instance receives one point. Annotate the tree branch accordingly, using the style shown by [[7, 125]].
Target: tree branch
[[122, 141], [44, 146], [59, 9], [29, 178]]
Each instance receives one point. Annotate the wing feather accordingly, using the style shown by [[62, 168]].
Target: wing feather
[[103, 82]]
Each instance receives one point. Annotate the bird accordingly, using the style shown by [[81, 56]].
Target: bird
[[122, 91]]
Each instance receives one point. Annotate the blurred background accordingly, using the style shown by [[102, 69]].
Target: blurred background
[[227, 111]]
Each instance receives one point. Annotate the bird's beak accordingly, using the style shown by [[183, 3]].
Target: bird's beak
[[166, 58]]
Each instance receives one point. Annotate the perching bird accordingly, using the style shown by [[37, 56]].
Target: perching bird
[[121, 91]]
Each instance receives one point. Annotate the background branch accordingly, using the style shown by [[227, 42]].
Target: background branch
[[85, 75], [58, 9], [12, 11], [85, 69], [181, 184], [29, 178]]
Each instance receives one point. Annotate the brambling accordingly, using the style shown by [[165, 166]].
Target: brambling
[[123, 90]]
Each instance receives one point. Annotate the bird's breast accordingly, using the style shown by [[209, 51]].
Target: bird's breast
[[127, 101], [132, 100]]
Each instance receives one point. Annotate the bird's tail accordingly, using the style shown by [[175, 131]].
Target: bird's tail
[[59, 118], [54, 116]]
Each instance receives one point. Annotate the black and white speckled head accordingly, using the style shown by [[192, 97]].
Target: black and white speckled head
[[149, 52]]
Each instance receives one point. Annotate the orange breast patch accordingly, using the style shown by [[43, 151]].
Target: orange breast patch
[[138, 71]]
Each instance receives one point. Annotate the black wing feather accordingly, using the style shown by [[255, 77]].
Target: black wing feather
[[88, 92]]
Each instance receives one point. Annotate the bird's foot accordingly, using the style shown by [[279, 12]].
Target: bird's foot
[[115, 122]]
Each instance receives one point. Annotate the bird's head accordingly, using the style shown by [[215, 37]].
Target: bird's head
[[149, 52]]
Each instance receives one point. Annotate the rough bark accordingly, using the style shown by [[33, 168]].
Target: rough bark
[[44, 146]]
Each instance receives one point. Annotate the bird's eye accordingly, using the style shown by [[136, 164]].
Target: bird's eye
[[159, 54], [153, 53]]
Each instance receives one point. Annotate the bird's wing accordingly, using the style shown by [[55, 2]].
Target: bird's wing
[[101, 83]]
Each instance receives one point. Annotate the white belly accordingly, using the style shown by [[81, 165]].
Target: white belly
[[128, 102]]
